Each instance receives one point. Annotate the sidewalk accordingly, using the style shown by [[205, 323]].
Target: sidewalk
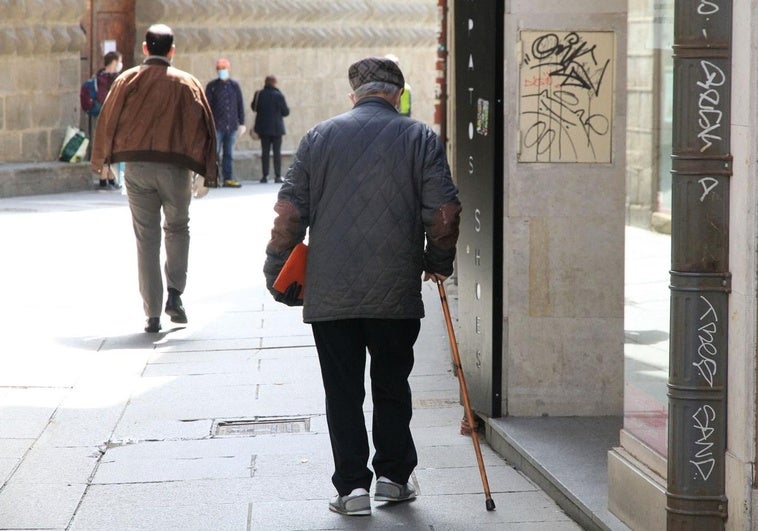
[[216, 426]]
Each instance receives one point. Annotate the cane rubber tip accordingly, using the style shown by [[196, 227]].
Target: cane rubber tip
[[490, 504]]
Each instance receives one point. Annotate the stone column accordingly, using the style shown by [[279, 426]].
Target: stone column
[[565, 73]]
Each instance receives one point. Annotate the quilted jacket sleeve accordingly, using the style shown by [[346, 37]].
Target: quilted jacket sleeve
[[292, 214], [440, 209]]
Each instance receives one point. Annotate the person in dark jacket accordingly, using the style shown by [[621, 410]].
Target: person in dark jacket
[[106, 75], [374, 190], [225, 98], [112, 67], [270, 108]]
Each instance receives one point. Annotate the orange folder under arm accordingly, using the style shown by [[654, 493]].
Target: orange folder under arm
[[293, 270]]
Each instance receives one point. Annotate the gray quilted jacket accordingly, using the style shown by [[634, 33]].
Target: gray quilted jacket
[[374, 190]]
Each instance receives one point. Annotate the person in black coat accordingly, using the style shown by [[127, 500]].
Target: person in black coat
[[270, 108]]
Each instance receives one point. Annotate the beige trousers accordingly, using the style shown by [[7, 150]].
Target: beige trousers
[[153, 186]]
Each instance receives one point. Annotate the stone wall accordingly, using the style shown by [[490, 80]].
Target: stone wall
[[39, 86], [563, 237], [307, 44]]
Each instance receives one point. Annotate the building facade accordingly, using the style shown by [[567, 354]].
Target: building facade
[[542, 258], [547, 339], [48, 48]]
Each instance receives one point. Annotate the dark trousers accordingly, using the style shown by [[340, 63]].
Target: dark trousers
[[341, 349], [224, 146], [267, 142]]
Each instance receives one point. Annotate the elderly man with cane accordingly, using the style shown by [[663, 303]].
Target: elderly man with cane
[[374, 190]]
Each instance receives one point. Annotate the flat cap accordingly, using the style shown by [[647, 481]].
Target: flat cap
[[375, 69]]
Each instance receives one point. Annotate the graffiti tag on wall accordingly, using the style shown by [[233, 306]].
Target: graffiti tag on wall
[[566, 96]]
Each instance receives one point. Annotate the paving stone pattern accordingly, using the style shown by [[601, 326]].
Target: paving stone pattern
[[105, 427]]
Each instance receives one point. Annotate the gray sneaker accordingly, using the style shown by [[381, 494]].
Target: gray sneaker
[[359, 505], [393, 492]]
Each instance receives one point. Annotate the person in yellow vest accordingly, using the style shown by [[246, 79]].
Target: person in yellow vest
[[404, 107]]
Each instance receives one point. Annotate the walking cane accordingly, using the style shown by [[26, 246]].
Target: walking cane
[[464, 391]]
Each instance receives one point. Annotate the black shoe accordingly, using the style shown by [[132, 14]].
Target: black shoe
[[174, 307], [278, 180], [264, 180], [153, 325]]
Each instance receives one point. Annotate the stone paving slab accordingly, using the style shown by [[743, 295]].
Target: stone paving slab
[[33, 417], [141, 515], [445, 412], [163, 461], [455, 512], [14, 448], [228, 457], [287, 341], [465, 479], [149, 404], [39, 505], [30, 428], [7, 466], [225, 401], [64, 466], [253, 366], [441, 435], [215, 359], [211, 365], [83, 426], [447, 457], [148, 428], [33, 367]]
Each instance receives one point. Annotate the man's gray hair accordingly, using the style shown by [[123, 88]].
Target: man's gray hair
[[376, 87]]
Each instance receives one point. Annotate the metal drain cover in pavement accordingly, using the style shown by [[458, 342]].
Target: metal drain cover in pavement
[[261, 426]]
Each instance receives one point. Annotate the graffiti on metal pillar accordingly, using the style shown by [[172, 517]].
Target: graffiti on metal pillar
[[706, 419], [700, 278], [709, 89], [566, 96]]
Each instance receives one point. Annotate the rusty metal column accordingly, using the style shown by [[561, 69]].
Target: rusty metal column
[[700, 278]]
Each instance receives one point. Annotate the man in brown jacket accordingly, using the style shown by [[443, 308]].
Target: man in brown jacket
[[156, 119]]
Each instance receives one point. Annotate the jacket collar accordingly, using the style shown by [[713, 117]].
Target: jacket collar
[[156, 60], [374, 100]]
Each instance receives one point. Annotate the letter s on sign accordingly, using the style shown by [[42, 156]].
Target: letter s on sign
[[477, 220]]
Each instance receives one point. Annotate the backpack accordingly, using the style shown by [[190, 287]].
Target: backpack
[[88, 97]]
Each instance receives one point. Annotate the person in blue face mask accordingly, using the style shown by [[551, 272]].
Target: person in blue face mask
[[225, 98]]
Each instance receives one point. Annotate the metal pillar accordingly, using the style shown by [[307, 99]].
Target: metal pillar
[[700, 278]]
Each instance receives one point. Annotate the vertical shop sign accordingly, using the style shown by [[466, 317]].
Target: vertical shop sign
[[479, 176]]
